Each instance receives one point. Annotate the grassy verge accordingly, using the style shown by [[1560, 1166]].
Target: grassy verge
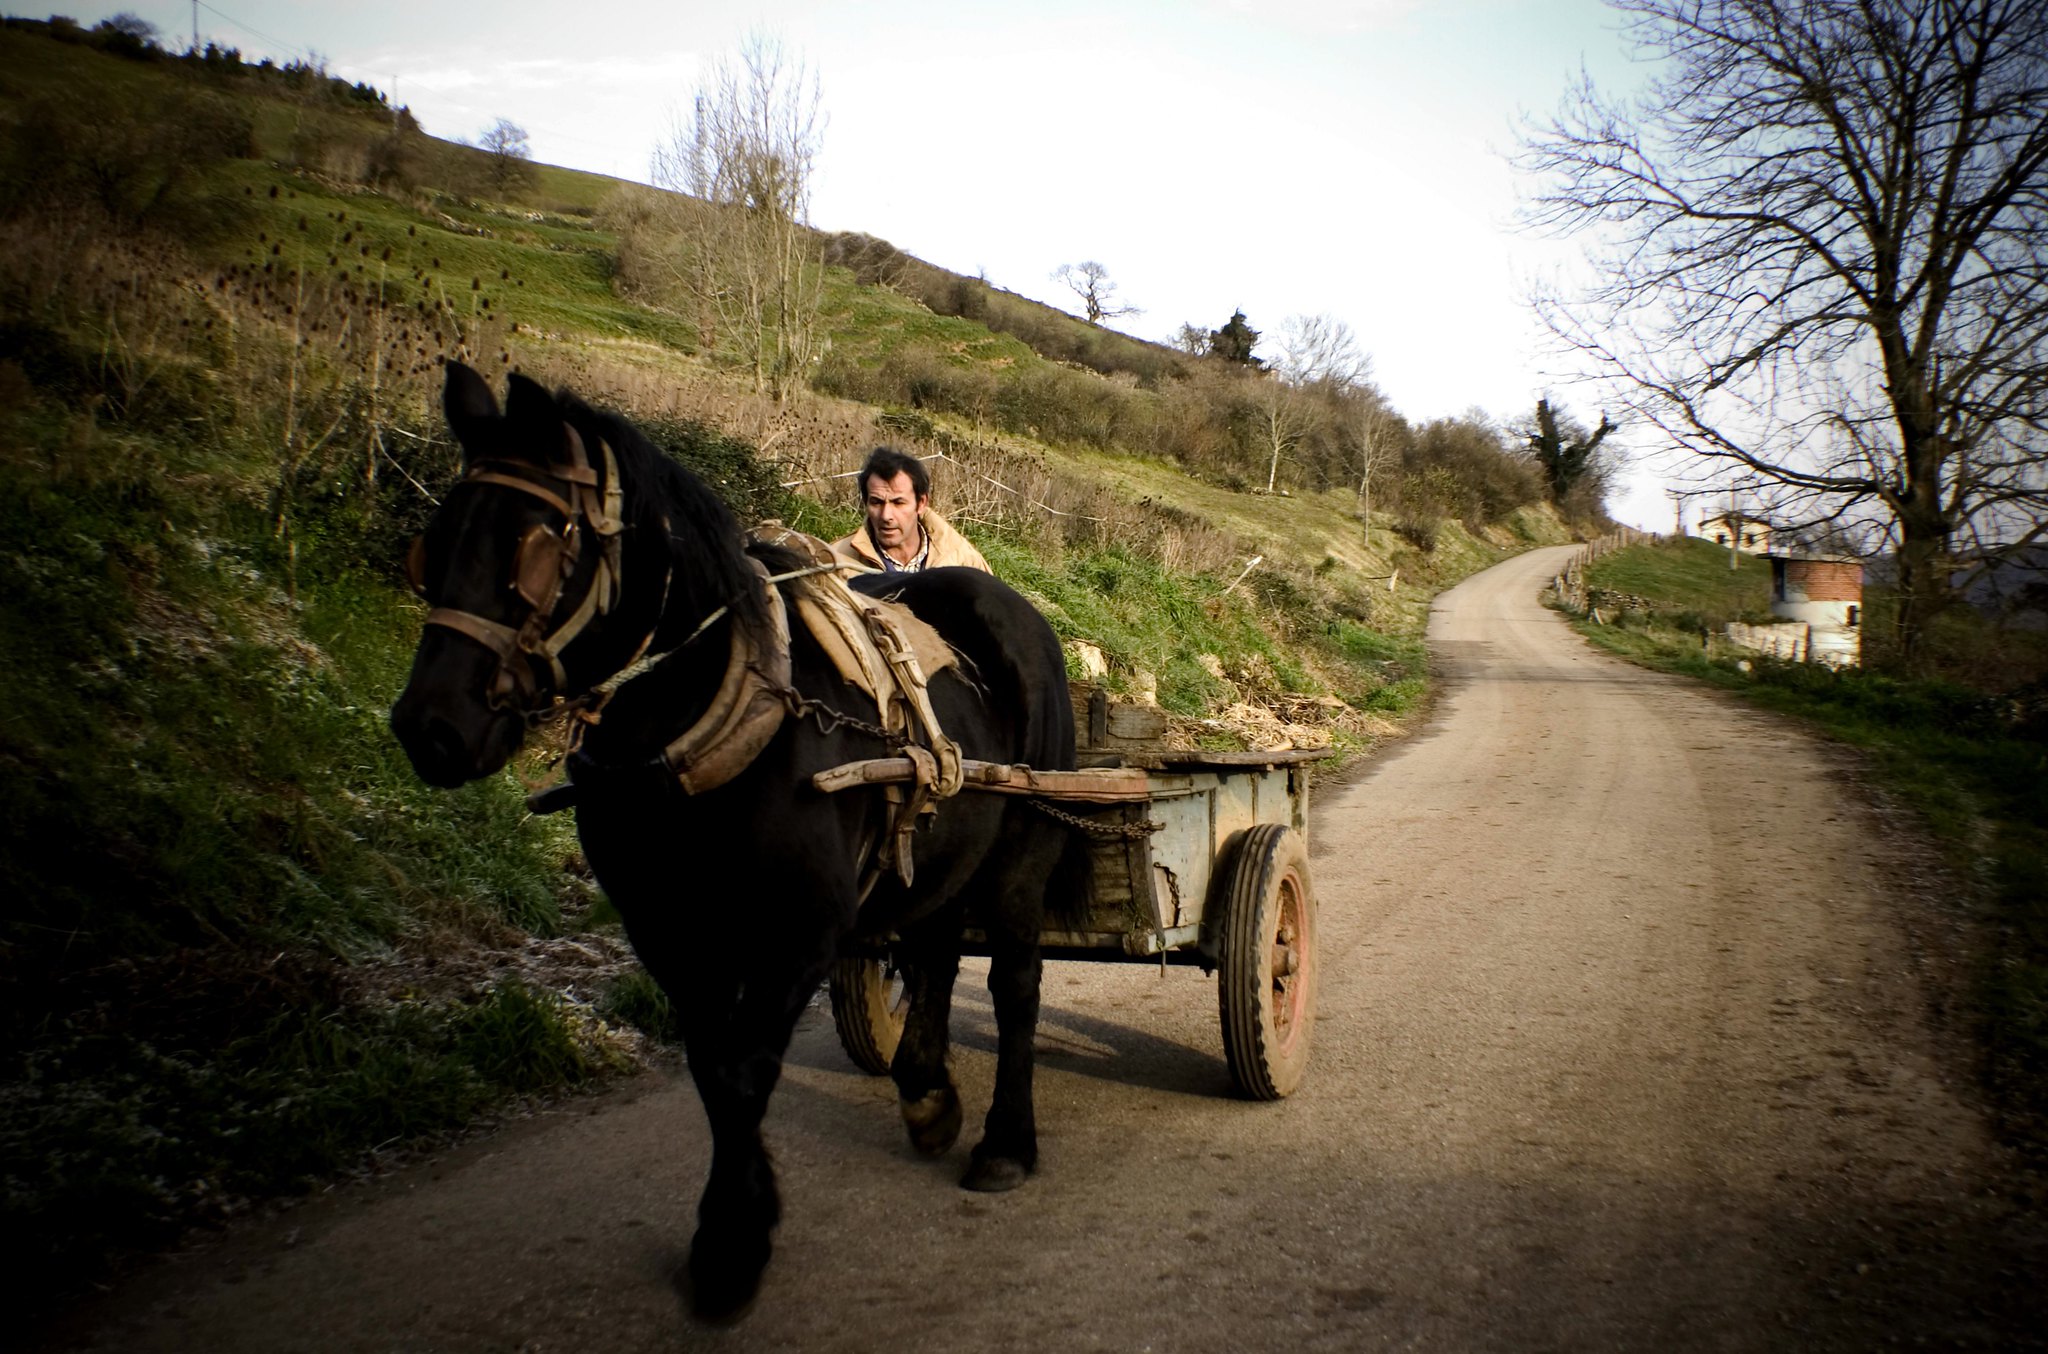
[[1971, 762]]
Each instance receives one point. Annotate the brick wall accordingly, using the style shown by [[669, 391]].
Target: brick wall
[[1824, 580]]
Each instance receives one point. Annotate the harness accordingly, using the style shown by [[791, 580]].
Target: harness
[[876, 646], [590, 501]]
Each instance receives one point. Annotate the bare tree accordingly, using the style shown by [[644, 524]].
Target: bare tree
[[1191, 339], [1823, 256], [1090, 281], [504, 141], [747, 255], [1317, 361], [1374, 427], [1286, 416], [1319, 350]]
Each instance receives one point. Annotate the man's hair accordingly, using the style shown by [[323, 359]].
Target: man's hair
[[889, 463]]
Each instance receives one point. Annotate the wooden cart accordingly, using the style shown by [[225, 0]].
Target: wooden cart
[[1195, 858]]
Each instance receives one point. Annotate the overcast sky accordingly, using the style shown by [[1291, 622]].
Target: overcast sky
[[1280, 156]]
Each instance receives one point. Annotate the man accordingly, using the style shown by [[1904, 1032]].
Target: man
[[902, 533]]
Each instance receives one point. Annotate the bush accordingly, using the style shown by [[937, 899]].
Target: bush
[[141, 162], [1420, 532]]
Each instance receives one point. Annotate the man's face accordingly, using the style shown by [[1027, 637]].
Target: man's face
[[892, 515]]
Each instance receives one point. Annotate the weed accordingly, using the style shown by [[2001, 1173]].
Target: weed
[[637, 1000]]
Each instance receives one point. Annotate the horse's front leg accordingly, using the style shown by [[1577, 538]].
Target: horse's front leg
[[1008, 1150], [930, 958], [735, 1035], [1015, 881]]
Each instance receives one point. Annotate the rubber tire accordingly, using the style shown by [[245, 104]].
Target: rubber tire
[[1267, 1021], [868, 1010]]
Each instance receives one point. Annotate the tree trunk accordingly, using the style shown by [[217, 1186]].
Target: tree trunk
[[1923, 577]]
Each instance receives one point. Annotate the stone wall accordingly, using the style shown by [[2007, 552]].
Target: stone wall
[[1788, 642]]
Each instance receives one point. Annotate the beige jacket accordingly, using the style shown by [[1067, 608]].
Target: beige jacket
[[948, 547]]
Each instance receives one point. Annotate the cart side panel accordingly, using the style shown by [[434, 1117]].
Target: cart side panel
[[1178, 874], [1201, 810]]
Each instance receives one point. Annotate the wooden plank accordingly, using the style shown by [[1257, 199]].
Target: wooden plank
[[1109, 785], [1197, 759], [1104, 723]]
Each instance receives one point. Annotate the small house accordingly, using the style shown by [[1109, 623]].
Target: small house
[[1825, 593], [1751, 535]]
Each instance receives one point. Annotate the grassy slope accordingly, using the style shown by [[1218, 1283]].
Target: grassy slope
[[1953, 752], [1691, 576], [245, 943]]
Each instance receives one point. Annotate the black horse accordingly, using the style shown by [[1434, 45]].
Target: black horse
[[571, 546]]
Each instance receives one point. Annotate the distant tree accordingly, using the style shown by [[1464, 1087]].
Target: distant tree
[[1316, 364], [398, 158], [1090, 281], [510, 165], [1375, 430], [1315, 371], [1191, 339], [746, 253], [1319, 350], [133, 27], [1234, 341], [1564, 451]]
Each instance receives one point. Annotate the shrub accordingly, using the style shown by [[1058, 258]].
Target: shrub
[[141, 161], [1420, 532]]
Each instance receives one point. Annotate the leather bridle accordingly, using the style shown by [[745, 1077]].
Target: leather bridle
[[590, 500]]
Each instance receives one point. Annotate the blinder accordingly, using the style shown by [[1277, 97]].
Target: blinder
[[543, 565]]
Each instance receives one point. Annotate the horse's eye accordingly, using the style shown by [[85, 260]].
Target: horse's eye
[[416, 565]]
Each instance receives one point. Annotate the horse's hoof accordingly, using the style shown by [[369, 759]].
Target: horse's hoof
[[933, 1120], [994, 1174], [725, 1281]]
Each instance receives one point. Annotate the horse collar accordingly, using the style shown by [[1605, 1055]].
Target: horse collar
[[749, 705]]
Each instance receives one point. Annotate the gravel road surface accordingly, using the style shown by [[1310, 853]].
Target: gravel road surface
[[1623, 1046]]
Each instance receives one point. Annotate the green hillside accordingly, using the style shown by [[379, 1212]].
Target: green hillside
[[246, 950]]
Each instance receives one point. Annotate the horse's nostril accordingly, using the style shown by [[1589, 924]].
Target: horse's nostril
[[436, 748], [444, 743]]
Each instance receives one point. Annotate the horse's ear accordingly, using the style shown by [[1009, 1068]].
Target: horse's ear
[[535, 418], [526, 398], [469, 404]]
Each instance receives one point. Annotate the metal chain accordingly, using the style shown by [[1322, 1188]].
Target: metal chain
[[829, 719], [1130, 831]]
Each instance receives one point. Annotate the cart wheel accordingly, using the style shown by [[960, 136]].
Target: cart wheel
[[1267, 970], [869, 1002]]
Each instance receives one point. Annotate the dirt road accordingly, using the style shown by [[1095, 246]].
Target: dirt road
[[1622, 1047]]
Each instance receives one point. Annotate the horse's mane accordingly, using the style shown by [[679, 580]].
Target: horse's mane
[[705, 538]]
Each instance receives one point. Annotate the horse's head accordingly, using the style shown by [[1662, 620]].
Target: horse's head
[[519, 562]]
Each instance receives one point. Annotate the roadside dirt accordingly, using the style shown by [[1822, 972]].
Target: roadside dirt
[[1624, 1045]]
